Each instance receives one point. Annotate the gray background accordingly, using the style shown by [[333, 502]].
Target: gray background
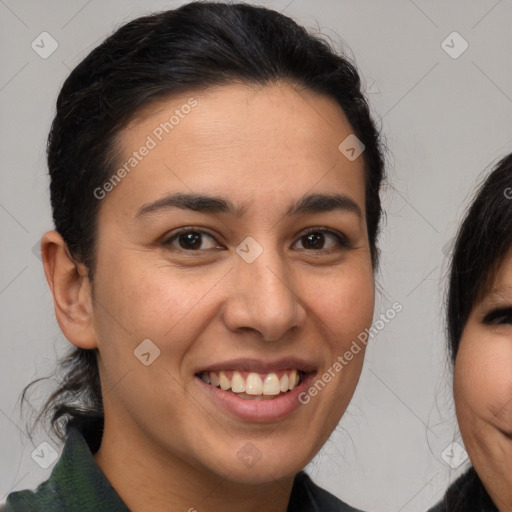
[[445, 121]]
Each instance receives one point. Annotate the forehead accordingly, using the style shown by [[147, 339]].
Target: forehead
[[500, 288], [236, 140]]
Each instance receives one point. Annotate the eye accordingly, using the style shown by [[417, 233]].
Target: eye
[[191, 240], [499, 316], [317, 238]]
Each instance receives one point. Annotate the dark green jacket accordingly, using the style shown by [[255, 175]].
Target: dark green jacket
[[77, 484]]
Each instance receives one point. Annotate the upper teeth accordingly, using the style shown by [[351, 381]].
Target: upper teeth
[[254, 383]]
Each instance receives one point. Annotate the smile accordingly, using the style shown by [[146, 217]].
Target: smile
[[252, 385], [255, 390]]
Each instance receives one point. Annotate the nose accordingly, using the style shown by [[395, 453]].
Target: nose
[[263, 298]]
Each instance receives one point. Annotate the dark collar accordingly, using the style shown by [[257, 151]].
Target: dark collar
[[466, 494], [76, 484]]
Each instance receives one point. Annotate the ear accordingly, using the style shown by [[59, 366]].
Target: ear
[[71, 290]]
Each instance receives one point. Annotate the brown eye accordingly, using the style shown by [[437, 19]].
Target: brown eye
[[314, 240], [323, 239], [191, 240]]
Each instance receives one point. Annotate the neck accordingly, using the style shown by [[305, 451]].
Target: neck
[[146, 478]]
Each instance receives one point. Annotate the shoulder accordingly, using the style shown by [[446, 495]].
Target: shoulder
[[75, 484], [466, 494], [308, 497], [45, 497]]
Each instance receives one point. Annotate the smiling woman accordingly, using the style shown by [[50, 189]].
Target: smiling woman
[[221, 278], [480, 335]]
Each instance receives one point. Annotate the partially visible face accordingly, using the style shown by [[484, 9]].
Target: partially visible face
[[483, 388], [288, 300]]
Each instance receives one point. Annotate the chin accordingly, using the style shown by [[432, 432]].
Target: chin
[[251, 467]]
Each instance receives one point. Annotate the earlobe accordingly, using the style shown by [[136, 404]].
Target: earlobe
[[71, 290]]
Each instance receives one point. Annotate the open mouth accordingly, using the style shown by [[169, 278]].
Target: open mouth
[[253, 385]]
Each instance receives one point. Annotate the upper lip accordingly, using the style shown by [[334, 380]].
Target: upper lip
[[260, 365]]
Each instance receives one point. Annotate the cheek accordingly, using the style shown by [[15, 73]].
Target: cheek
[[345, 302], [483, 380], [138, 301], [341, 311]]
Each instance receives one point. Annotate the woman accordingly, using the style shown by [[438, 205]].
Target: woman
[[215, 180], [480, 336]]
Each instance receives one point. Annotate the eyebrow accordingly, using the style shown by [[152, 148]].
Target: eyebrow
[[312, 203]]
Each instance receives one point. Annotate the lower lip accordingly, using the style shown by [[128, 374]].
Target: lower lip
[[259, 411]]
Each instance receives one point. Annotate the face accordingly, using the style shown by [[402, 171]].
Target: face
[[237, 245], [483, 387]]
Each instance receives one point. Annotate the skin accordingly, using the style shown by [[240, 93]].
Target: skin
[[483, 389], [262, 148]]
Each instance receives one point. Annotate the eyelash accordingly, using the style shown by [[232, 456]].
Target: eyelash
[[499, 316], [341, 239]]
